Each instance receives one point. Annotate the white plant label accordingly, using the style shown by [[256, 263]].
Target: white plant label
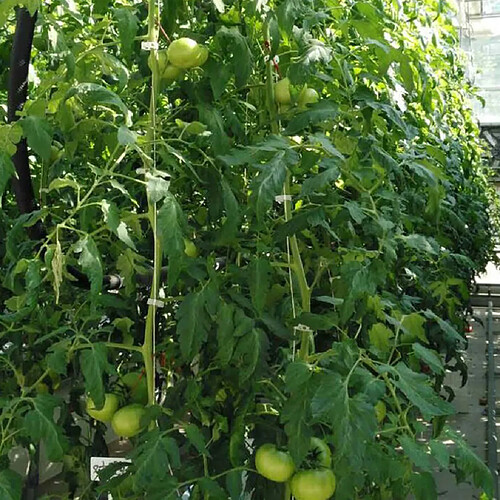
[[149, 45]]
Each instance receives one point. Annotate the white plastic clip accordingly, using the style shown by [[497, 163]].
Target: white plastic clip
[[282, 198], [303, 328], [149, 45], [156, 303]]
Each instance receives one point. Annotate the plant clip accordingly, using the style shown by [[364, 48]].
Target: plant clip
[[149, 45], [156, 303], [282, 198], [303, 328]]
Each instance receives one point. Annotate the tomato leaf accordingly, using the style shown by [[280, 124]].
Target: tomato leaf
[[317, 113], [268, 184], [128, 26], [11, 485], [94, 363], [225, 330], [40, 425], [429, 357], [39, 135], [115, 225], [424, 486], [416, 388], [192, 324], [352, 418], [7, 170], [259, 279], [90, 260], [197, 439]]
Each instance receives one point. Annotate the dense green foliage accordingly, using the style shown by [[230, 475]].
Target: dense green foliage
[[290, 317]]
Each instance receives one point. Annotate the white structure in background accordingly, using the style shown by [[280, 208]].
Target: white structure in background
[[479, 25]]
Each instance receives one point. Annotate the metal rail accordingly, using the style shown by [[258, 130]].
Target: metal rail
[[492, 437]]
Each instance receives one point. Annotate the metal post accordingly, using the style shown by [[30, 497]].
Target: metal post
[[492, 438]]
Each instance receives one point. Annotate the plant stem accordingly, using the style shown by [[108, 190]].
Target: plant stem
[[297, 265], [148, 345]]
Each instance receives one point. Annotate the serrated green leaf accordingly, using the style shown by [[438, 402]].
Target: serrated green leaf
[[170, 225], [260, 281], [268, 184], [39, 135], [7, 170], [115, 225], [94, 364], [352, 418], [192, 324], [416, 388], [316, 113], [429, 357], [424, 486], [128, 26], [297, 374], [322, 179], [197, 439], [247, 353], [380, 337], [11, 483], [90, 260], [225, 330], [40, 425], [62, 183], [416, 453], [440, 452], [241, 55]]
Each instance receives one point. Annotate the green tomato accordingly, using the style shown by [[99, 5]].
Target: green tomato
[[190, 248], [316, 484], [137, 386], [126, 422], [184, 53], [307, 96], [202, 56], [172, 73], [380, 411], [321, 452], [274, 464], [162, 61], [282, 91], [105, 414]]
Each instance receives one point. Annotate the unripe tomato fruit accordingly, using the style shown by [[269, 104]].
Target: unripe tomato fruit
[[137, 386], [307, 96], [282, 91], [105, 414], [171, 73], [380, 411], [185, 53], [315, 484], [202, 56], [126, 422], [190, 248], [162, 61], [274, 464], [321, 452]]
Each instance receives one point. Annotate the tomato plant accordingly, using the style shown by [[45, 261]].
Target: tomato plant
[[273, 264]]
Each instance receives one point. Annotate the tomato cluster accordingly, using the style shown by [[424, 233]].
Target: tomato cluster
[[314, 483], [283, 95], [182, 54], [127, 420]]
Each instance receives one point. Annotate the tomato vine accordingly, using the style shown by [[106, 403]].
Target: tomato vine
[[292, 210]]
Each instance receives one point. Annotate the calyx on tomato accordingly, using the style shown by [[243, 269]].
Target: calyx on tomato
[[320, 453], [274, 464], [185, 53], [126, 422], [105, 414], [282, 91], [314, 484]]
